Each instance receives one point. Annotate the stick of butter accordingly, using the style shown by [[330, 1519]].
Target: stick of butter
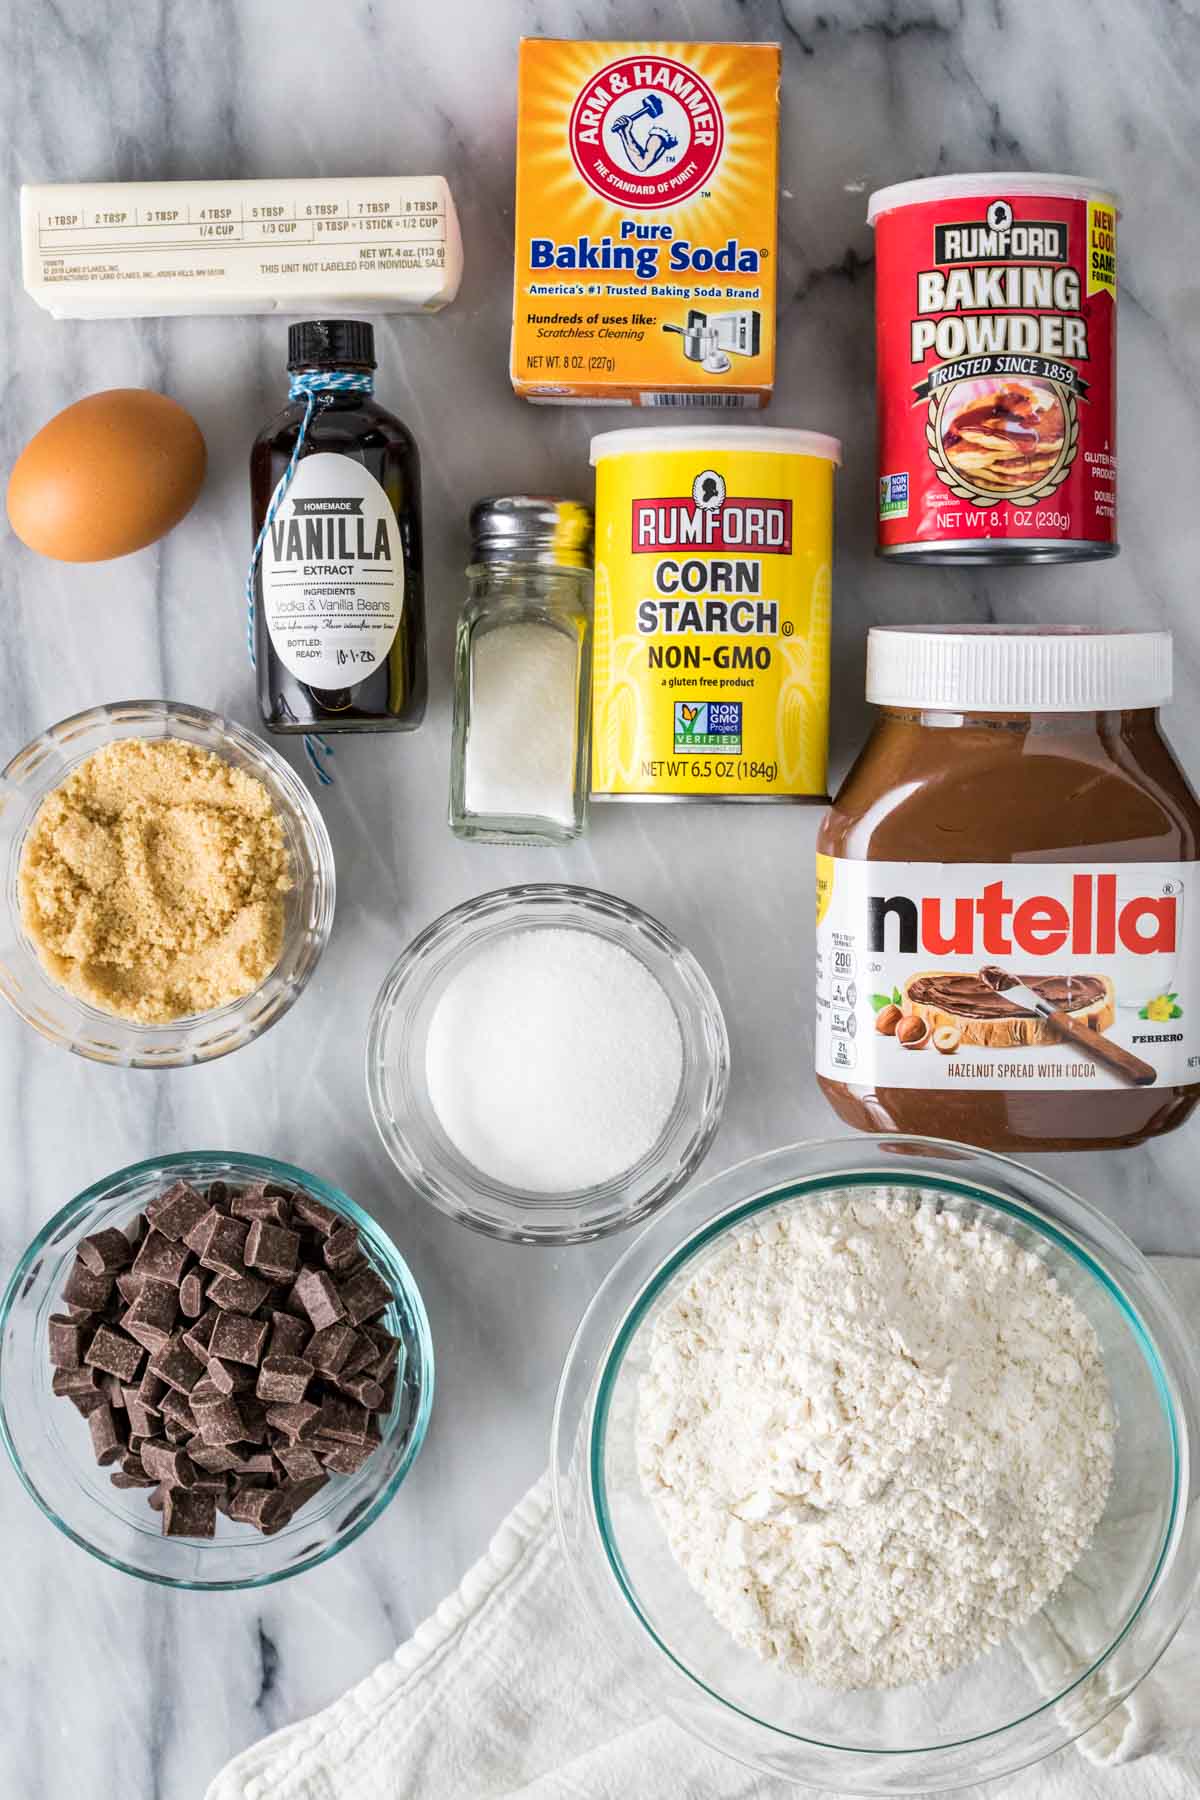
[[144, 249]]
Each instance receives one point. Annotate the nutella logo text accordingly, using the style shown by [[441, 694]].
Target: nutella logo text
[[994, 924]]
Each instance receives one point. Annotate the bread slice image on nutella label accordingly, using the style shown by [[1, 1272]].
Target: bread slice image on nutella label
[[973, 975]]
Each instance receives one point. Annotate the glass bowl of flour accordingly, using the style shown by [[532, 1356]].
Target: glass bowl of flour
[[547, 1063], [874, 1462]]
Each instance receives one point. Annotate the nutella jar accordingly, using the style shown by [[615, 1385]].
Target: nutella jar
[[1008, 895]]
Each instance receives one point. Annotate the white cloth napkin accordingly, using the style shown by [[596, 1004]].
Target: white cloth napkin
[[506, 1694]]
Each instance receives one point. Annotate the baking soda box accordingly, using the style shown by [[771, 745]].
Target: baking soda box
[[645, 223]]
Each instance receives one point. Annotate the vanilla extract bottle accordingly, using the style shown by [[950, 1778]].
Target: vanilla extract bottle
[[339, 615]]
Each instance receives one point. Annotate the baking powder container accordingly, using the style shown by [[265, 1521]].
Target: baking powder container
[[996, 334], [710, 675]]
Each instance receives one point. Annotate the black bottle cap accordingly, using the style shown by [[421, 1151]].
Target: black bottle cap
[[326, 343]]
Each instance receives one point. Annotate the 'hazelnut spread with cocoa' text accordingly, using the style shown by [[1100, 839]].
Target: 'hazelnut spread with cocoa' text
[[1008, 895]]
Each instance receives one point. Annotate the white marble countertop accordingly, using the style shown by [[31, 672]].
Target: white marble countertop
[[143, 1693]]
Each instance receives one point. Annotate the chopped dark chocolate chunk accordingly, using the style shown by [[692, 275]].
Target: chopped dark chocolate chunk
[[122, 1478], [254, 1419], [219, 1420], [115, 1353], [191, 1294], [346, 1459], [105, 1251], [229, 1378], [261, 1202], [75, 1381], [215, 1459], [248, 1504], [151, 1387], [198, 1236], [236, 1338], [329, 1350], [299, 1462], [190, 1512], [256, 1462], [272, 1249], [368, 1393], [296, 1420], [314, 1212], [238, 1293], [86, 1290], [364, 1296], [319, 1298], [129, 1285], [144, 1421], [177, 1410], [68, 1340], [388, 1347], [198, 1336], [166, 1462], [108, 1441], [362, 1355], [225, 1251], [156, 1306], [342, 1250], [176, 1365], [289, 1335], [162, 1260], [343, 1420], [285, 1378], [175, 1212]]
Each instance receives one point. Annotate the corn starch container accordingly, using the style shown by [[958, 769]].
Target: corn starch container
[[710, 677]]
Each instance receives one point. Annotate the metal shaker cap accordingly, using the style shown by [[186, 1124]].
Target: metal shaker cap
[[537, 528]]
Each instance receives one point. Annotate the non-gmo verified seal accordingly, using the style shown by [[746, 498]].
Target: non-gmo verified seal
[[893, 496], [709, 725]]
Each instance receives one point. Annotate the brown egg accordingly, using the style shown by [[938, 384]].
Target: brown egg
[[109, 475]]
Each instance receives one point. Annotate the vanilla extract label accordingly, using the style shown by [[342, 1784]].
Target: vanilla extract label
[[333, 573], [956, 975]]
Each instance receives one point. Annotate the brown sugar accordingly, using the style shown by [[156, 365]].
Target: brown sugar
[[152, 881]]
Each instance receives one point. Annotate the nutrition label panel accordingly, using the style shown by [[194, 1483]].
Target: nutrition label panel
[[282, 220]]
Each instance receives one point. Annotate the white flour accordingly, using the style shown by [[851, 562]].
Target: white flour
[[877, 1436]]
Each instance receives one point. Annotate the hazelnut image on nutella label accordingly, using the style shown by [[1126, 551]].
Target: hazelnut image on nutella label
[[1008, 877]]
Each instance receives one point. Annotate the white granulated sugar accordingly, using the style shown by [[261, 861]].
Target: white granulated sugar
[[553, 1059], [520, 751], [877, 1436]]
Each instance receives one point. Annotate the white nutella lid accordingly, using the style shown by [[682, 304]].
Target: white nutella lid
[[1008, 183], [1015, 668]]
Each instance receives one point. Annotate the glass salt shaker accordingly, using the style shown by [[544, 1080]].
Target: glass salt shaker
[[521, 754]]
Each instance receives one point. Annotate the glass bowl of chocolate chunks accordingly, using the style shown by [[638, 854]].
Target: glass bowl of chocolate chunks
[[215, 1370]]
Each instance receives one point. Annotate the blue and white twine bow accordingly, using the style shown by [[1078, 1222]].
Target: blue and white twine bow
[[307, 385]]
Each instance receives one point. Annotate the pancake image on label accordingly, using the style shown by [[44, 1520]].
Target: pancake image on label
[[985, 1016], [1002, 437]]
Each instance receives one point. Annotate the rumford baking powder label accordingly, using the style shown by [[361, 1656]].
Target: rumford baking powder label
[[908, 955], [645, 223], [996, 339], [711, 653]]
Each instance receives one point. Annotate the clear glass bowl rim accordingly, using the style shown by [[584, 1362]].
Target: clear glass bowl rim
[[1181, 1369], [438, 940], [271, 1170], [256, 751]]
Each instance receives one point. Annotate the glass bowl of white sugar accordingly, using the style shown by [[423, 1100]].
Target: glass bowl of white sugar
[[547, 1063], [875, 1464]]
